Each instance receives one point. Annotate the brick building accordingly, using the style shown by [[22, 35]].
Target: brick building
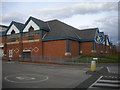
[[2, 33], [51, 40]]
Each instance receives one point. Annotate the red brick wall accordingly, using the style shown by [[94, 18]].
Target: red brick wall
[[37, 37], [74, 48], [54, 49], [25, 38], [86, 47], [35, 47]]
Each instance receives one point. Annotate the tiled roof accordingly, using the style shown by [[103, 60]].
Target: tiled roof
[[19, 25], [39, 22], [59, 29], [87, 33]]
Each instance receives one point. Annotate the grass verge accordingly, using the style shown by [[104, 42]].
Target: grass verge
[[101, 59]]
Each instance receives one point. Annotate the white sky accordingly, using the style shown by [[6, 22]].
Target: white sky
[[80, 13]]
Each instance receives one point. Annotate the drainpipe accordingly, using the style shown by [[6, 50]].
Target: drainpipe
[[21, 45], [41, 35]]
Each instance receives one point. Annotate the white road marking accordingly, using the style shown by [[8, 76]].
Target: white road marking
[[25, 78], [112, 81], [96, 81], [108, 69], [108, 85], [20, 77]]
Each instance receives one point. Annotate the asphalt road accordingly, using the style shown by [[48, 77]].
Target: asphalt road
[[27, 75], [113, 69]]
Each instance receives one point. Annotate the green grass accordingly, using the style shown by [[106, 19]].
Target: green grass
[[102, 59], [98, 61], [114, 57]]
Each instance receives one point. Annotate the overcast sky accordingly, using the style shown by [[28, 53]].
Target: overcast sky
[[81, 14]]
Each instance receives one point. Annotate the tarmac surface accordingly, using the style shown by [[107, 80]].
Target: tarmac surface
[[28, 75], [31, 76]]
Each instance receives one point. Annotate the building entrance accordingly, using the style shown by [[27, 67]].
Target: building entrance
[[26, 55]]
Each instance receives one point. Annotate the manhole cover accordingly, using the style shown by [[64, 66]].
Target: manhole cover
[[26, 78]]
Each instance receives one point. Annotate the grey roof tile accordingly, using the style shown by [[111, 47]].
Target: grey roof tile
[[59, 29], [87, 33], [19, 25], [41, 23]]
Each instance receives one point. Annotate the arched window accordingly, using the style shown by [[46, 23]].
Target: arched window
[[13, 32]]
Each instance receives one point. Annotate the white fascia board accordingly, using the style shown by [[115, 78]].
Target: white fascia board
[[31, 23], [13, 27]]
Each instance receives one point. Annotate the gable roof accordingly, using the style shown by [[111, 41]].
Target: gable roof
[[17, 24], [40, 23]]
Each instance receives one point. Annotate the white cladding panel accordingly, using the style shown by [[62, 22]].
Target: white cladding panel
[[31, 23], [13, 27]]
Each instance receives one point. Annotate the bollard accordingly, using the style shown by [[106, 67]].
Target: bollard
[[93, 65]]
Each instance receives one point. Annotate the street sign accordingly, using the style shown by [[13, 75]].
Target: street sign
[[99, 38], [10, 53]]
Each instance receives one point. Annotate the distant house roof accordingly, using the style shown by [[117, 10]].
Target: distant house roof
[[3, 29], [3, 26]]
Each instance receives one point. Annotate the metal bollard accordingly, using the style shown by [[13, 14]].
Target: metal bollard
[[93, 65]]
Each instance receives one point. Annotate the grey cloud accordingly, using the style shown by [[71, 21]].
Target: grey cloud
[[110, 26], [61, 12], [82, 8], [8, 18]]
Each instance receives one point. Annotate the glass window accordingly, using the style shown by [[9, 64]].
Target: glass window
[[30, 37], [13, 39], [37, 32]]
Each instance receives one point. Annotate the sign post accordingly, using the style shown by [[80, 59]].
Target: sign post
[[99, 39], [10, 54]]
